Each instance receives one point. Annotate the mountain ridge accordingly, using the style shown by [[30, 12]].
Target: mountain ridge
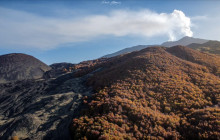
[[183, 41], [127, 50]]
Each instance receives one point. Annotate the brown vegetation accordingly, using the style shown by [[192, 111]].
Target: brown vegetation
[[155, 93]]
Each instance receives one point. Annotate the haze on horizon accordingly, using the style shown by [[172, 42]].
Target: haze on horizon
[[74, 31]]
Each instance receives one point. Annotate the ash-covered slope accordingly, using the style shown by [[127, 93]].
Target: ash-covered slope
[[155, 93], [37, 110], [19, 66]]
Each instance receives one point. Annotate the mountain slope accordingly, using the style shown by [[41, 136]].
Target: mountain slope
[[19, 66], [184, 42], [152, 94], [126, 50], [210, 47]]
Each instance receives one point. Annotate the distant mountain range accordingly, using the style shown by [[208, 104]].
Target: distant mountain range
[[185, 41]]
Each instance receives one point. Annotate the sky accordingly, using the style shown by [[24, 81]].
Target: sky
[[79, 30]]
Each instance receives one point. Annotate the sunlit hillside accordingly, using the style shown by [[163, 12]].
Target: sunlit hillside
[[154, 93]]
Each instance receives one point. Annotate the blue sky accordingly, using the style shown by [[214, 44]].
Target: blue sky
[[74, 31]]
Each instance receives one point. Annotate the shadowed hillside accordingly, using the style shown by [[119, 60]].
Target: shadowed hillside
[[156, 93]]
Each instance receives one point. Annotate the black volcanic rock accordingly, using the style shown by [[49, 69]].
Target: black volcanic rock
[[19, 66], [41, 109]]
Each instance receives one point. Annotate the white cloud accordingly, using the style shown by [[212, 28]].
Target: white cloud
[[115, 2], [199, 18], [111, 2], [27, 30]]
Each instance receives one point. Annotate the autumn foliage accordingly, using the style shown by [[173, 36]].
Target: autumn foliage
[[155, 93]]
